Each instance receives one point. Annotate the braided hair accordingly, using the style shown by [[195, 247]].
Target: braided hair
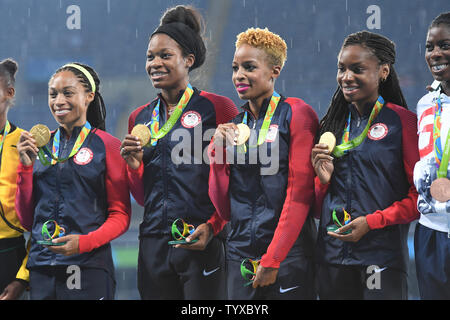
[[96, 112], [384, 50], [8, 69]]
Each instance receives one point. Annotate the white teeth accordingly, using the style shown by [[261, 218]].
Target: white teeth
[[439, 67], [157, 74], [61, 112], [350, 88]]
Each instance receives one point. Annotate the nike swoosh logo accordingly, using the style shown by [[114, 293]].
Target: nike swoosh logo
[[287, 289], [379, 270], [207, 273]]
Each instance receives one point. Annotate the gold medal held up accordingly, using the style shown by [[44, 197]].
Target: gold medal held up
[[244, 134], [41, 133], [329, 139], [142, 132]]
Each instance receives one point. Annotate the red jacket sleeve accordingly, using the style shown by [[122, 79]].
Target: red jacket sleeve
[[224, 107], [300, 188], [219, 180], [24, 196], [136, 177], [405, 210], [117, 195], [320, 191]]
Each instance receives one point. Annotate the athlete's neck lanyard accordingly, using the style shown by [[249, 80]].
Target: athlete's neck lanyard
[[442, 158], [157, 133], [274, 100], [55, 149], [346, 145], [5, 133]]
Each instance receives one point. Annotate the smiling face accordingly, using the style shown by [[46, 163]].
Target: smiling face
[[437, 54], [359, 74], [166, 66], [68, 100], [253, 75]]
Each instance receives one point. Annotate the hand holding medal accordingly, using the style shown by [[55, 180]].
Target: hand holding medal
[[321, 158]]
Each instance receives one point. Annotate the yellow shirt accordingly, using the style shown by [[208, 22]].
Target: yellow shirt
[[8, 174]]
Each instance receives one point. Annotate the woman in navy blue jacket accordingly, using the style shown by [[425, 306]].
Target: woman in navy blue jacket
[[169, 176], [81, 184], [366, 183]]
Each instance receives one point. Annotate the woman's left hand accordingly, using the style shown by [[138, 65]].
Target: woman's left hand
[[68, 249], [358, 227], [265, 276]]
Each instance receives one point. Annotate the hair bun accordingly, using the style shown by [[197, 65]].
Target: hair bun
[[184, 14], [10, 65]]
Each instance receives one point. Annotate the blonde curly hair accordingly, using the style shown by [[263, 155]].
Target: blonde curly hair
[[271, 43]]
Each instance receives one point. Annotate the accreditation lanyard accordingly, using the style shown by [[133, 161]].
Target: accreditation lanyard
[[274, 100], [441, 156], [346, 145], [157, 133], [5, 133]]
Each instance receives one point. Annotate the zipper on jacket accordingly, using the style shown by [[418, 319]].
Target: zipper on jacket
[[58, 189], [348, 201]]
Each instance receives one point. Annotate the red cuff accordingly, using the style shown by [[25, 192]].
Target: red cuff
[[217, 223]]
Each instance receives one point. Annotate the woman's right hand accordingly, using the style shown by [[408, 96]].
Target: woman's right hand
[[226, 134], [27, 149], [132, 151], [322, 162]]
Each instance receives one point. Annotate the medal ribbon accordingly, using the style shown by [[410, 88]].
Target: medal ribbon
[[346, 145], [442, 158], [5, 133], [274, 100], [157, 133], [55, 149]]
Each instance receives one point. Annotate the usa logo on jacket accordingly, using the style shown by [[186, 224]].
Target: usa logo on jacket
[[378, 131]]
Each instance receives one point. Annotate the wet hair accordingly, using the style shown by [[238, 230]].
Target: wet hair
[[185, 25], [443, 18], [271, 43], [384, 50], [8, 69], [96, 112]]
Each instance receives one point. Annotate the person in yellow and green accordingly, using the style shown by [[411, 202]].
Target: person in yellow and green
[[14, 276]]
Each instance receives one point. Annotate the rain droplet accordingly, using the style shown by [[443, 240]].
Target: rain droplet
[[108, 6], [318, 45], [136, 33], [243, 3], [314, 8], [32, 100]]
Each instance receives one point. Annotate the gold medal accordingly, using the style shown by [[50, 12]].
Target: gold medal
[[244, 134], [142, 132], [440, 189], [41, 133], [329, 139]]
